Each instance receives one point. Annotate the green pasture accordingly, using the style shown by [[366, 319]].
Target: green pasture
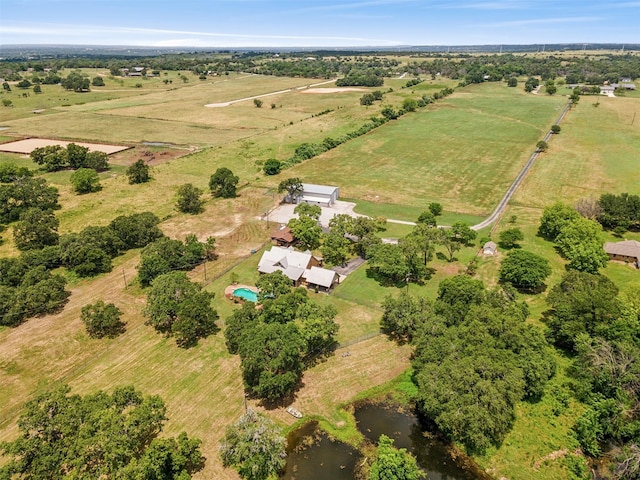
[[409, 213], [464, 151], [597, 151]]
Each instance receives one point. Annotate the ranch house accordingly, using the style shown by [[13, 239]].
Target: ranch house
[[627, 251], [302, 268]]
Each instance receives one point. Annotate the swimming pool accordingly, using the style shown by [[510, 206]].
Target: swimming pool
[[247, 294]]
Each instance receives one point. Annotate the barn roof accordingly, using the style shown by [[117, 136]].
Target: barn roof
[[313, 189]]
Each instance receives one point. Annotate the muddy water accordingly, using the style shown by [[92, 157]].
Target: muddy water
[[438, 459], [313, 455]]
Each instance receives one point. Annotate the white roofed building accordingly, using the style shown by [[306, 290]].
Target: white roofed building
[[302, 268], [322, 195]]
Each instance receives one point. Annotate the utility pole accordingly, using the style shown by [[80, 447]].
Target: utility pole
[[124, 278]]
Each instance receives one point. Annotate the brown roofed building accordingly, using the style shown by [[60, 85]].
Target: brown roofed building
[[627, 251], [283, 237]]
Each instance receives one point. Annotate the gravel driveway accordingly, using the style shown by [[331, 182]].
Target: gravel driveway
[[284, 212]]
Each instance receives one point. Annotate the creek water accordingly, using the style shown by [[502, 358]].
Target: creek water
[[313, 455]]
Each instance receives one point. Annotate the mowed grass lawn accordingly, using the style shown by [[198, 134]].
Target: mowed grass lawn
[[463, 151]]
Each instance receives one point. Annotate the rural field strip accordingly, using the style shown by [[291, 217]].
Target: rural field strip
[[512, 189], [231, 102], [516, 183]]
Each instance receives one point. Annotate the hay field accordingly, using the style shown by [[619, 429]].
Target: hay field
[[464, 151]]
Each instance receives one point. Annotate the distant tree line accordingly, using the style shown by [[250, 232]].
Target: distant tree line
[[471, 68]]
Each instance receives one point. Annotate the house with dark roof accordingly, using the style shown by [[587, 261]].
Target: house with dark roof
[[627, 251], [282, 236]]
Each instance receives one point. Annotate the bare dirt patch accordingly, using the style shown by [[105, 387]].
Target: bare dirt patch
[[26, 146], [151, 155]]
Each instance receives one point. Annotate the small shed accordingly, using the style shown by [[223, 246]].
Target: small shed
[[489, 248]]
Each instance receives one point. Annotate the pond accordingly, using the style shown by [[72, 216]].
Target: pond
[[313, 455], [437, 458]]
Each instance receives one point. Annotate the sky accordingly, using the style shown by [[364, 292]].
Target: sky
[[310, 23]]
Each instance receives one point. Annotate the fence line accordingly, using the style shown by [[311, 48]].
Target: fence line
[[368, 336], [233, 265]]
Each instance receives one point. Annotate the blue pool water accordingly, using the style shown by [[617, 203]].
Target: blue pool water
[[246, 294]]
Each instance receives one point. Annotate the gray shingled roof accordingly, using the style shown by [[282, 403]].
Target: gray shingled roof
[[628, 248]]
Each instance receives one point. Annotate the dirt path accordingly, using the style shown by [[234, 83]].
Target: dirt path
[[279, 92]]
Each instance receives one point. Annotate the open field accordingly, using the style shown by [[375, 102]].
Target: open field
[[462, 152]]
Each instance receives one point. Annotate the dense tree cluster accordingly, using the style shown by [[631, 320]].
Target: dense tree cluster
[[28, 290], [85, 180], [75, 81], [179, 308], [524, 270], [10, 172], [619, 211], [23, 193], [255, 446], [360, 79], [223, 183], [394, 463], [90, 252], [138, 172], [578, 239], [165, 255], [601, 328], [189, 199], [55, 157], [277, 342], [102, 320], [98, 436], [306, 229], [475, 358]]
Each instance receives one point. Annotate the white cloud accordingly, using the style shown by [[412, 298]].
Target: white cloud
[[158, 37], [542, 21]]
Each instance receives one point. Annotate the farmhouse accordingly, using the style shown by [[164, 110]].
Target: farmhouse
[[627, 251], [321, 195], [302, 268]]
